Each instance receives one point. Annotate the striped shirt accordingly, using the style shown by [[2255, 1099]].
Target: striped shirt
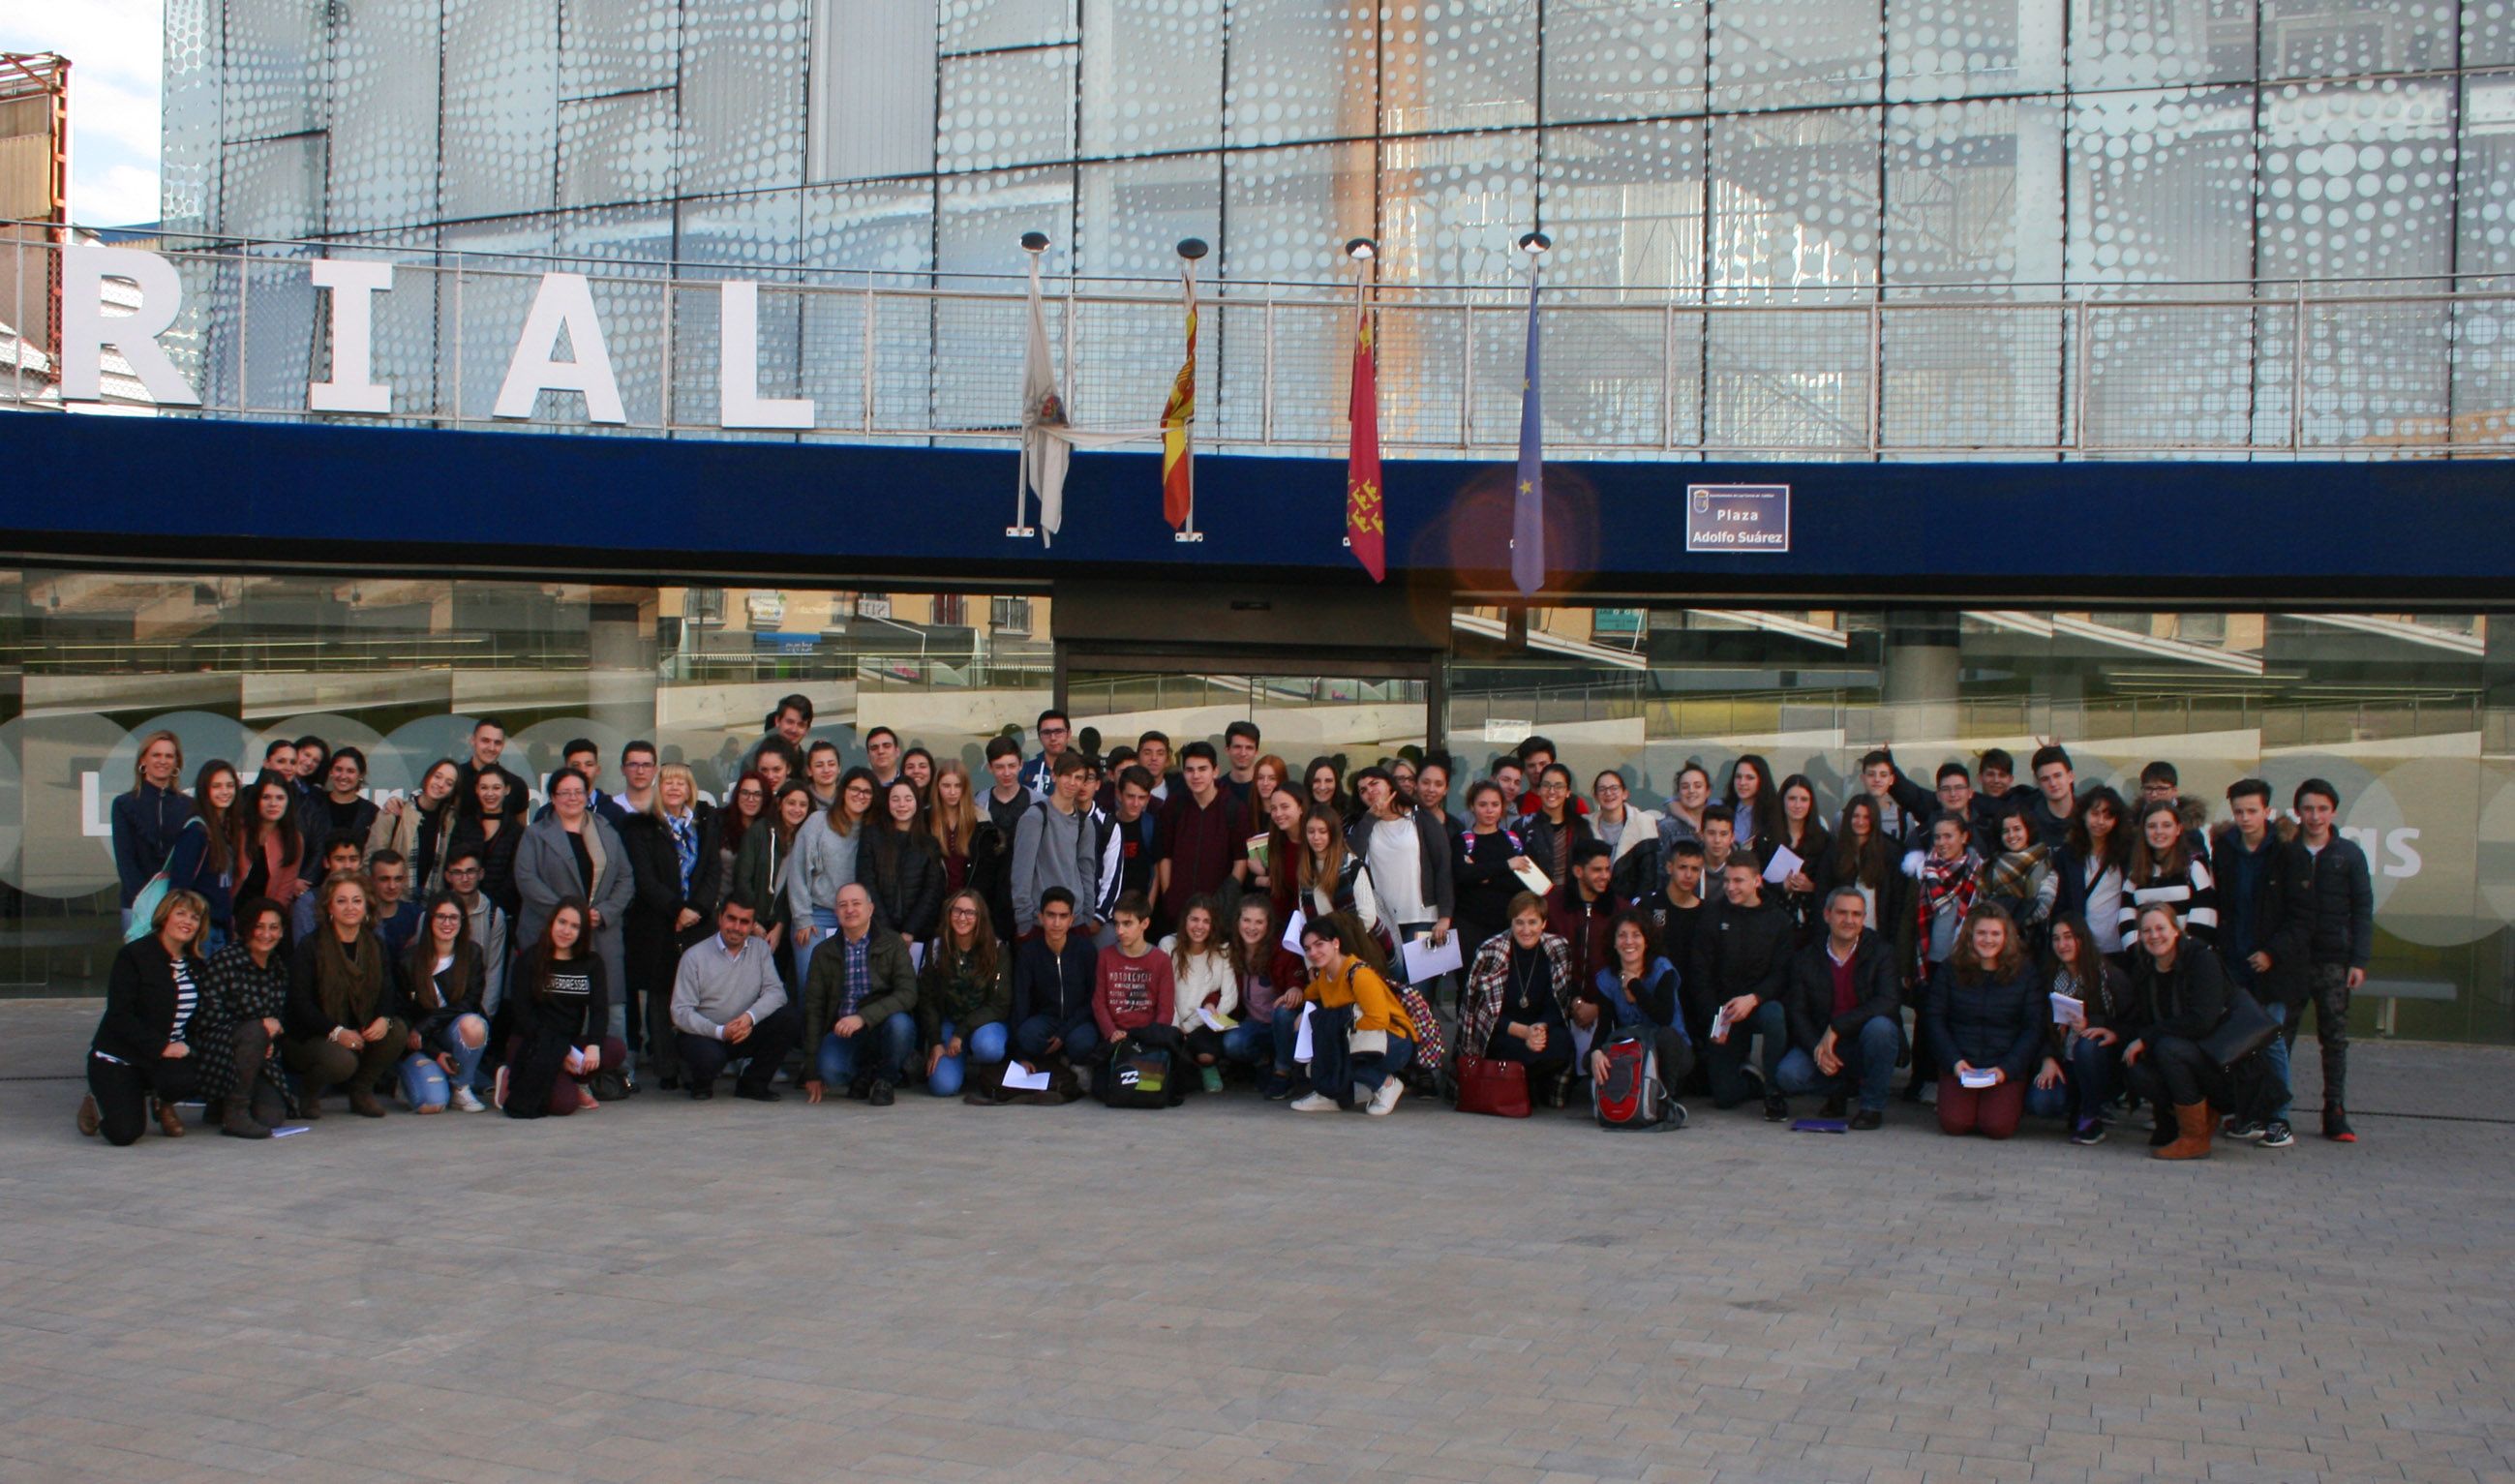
[[2192, 893]]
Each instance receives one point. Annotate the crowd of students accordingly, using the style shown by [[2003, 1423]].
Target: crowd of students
[[2013, 949]]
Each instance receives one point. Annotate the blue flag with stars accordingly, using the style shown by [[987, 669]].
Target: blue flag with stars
[[1528, 492]]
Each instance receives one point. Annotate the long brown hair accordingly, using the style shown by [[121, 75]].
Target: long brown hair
[[1328, 864], [419, 960], [1214, 941], [984, 950], [731, 823], [1869, 865], [1970, 968], [539, 959], [2146, 867], [219, 853], [952, 829], [1264, 952]]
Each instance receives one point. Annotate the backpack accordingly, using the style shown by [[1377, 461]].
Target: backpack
[[1138, 1076], [1631, 1095]]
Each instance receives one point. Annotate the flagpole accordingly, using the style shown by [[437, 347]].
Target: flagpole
[[1362, 250], [1036, 245], [1190, 249], [1528, 493]]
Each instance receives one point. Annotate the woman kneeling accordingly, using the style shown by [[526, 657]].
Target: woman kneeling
[[1985, 1016]]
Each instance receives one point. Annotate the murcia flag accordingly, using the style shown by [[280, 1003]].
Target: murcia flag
[[1366, 518], [1179, 451]]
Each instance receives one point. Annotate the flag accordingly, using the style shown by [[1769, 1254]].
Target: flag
[[1528, 489], [1366, 519], [1178, 453], [1044, 454]]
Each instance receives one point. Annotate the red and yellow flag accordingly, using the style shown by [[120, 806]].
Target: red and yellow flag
[[1366, 521], [1178, 482]]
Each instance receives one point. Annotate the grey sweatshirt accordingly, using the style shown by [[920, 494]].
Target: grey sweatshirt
[[1054, 848]]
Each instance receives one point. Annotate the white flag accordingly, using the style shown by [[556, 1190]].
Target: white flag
[[1044, 453]]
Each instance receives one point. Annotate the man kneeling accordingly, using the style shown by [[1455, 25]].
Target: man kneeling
[[1846, 1015], [728, 1002]]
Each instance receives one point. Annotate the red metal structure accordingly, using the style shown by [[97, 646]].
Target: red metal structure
[[35, 171]]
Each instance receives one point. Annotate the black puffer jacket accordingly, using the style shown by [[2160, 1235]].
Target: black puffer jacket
[[1741, 951], [1987, 1024], [2186, 1001], [2343, 895]]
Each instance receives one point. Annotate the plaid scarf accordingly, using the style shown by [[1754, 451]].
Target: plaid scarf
[[1946, 886]]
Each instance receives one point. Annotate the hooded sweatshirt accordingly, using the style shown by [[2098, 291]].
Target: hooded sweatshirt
[[1054, 848]]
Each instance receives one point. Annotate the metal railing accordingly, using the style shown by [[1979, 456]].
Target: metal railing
[[2377, 369]]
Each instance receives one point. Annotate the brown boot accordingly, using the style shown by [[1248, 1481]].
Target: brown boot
[[169, 1122], [89, 1119], [2192, 1119], [236, 1121], [362, 1102]]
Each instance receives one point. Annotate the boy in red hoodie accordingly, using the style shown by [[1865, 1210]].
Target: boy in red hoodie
[[1133, 989]]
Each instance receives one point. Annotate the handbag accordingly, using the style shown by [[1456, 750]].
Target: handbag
[[1495, 1088], [2245, 1029]]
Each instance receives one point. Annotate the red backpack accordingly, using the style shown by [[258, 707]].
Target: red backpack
[[1630, 1094]]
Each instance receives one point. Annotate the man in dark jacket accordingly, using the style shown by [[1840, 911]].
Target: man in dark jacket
[[1582, 911], [1845, 1007], [859, 1006], [991, 850], [1054, 974], [1741, 956], [2264, 905], [2340, 938]]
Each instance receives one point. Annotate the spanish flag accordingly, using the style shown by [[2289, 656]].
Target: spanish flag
[[1366, 520], [1179, 451]]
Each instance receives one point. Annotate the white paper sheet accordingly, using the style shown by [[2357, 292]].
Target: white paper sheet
[[917, 956], [1018, 1081], [1533, 880], [2067, 1012], [1981, 1078], [1214, 1021], [1785, 862], [1293, 932], [1301, 1049], [1423, 960]]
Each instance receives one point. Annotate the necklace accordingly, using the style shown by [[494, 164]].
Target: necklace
[[1524, 981]]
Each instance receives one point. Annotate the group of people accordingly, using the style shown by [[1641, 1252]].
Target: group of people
[[2017, 948]]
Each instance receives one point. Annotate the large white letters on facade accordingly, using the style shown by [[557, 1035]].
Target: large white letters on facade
[[566, 301], [352, 387], [739, 404], [86, 329]]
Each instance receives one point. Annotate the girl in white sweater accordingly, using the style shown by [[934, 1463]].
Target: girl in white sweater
[[1201, 966]]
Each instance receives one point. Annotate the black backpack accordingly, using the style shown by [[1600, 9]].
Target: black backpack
[[1139, 1076]]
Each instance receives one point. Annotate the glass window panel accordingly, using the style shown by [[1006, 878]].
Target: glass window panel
[[983, 26], [2488, 33], [1288, 214], [887, 226], [626, 251], [2151, 43], [742, 95], [1459, 64], [2483, 359], [279, 303], [1301, 70], [1624, 203], [1973, 376], [1135, 212], [1968, 48], [2160, 187], [1151, 71], [1794, 205], [613, 149], [1605, 371], [978, 226], [617, 46], [2326, 38], [1453, 209], [1973, 194], [274, 187], [1787, 54], [754, 237], [274, 62], [1006, 108], [500, 135], [188, 164], [1613, 58], [2357, 180], [491, 297], [1794, 379], [872, 89], [404, 332], [385, 85]]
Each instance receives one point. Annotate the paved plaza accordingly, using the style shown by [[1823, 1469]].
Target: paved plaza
[[664, 1291]]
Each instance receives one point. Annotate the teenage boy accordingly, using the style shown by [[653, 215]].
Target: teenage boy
[[1056, 845], [1996, 776], [1582, 911], [1677, 910], [1536, 756], [1719, 835], [1240, 747], [1055, 972], [1138, 832], [488, 745], [1743, 957], [2340, 938], [2056, 797], [2262, 920], [1847, 1015], [637, 771], [1003, 805], [1133, 992], [1039, 775], [1153, 756], [1957, 800], [881, 756], [822, 770], [487, 923], [1904, 807], [395, 915], [1202, 835]]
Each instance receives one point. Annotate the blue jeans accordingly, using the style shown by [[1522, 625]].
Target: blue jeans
[[887, 1043], [2094, 1071], [2047, 1103], [1868, 1067], [1267, 1042], [1725, 1060], [1032, 1036], [986, 1045], [424, 1084], [1370, 1069], [2278, 1049]]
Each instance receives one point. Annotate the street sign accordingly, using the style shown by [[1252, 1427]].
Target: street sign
[[1737, 517]]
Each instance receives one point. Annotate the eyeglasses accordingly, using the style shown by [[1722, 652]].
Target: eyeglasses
[[749, 793], [1053, 731], [642, 764], [454, 918]]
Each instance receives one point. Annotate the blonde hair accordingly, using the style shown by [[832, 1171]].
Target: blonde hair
[[689, 788], [139, 759], [180, 900], [952, 833]]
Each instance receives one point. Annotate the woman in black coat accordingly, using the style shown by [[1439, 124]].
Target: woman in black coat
[[902, 866], [142, 1050], [672, 855], [2179, 995]]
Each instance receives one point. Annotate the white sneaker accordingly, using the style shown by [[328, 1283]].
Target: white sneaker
[[1384, 1102], [468, 1102], [1315, 1103]]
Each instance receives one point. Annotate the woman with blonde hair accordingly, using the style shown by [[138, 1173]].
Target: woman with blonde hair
[[952, 817], [144, 819], [141, 1053]]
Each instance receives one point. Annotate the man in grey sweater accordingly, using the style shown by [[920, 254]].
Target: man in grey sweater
[[728, 1002], [1055, 845]]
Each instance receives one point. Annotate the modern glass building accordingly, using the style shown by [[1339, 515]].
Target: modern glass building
[[1945, 266]]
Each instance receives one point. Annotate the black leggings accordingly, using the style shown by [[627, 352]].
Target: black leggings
[[2179, 1073], [122, 1090]]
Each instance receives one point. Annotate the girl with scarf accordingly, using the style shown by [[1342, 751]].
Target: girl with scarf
[[1944, 883], [2021, 877]]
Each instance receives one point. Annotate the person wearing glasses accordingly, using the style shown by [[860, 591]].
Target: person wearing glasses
[[490, 929], [1039, 775], [442, 980]]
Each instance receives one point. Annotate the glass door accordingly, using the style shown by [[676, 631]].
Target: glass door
[[1357, 715]]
